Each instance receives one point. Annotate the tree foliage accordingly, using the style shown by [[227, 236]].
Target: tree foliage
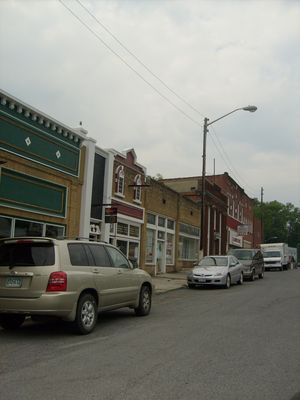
[[281, 222]]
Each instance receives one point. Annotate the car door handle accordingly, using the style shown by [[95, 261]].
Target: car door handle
[[96, 271], [120, 272]]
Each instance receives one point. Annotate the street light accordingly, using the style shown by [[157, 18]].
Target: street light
[[205, 131]]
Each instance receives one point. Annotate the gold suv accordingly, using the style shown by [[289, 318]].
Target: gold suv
[[69, 279]]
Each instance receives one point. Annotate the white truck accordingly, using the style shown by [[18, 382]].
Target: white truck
[[278, 256]]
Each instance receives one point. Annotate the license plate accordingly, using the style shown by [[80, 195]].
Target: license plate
[[13, 282], [201, 280]]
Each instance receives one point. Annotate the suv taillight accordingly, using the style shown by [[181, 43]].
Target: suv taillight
[[57, 282]]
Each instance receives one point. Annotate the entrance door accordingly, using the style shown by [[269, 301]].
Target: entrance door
[[161, 257]]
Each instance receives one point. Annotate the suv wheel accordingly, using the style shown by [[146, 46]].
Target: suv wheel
[[86, 315], [252, 277], [144, 306], [11, 321]]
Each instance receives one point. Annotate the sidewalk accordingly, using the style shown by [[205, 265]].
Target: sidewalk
[[169, 281]]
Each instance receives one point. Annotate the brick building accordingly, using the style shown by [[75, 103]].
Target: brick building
[[127, 179], [171, 232], [241, 221], [214, 230]]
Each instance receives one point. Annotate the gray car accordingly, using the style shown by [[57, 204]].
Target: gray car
[[69, 279], [252, 260], [216, 270]]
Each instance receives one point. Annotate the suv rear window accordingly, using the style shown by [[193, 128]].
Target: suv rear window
[[25, 254]]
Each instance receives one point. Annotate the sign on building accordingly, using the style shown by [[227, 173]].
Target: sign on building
[[111, 215]]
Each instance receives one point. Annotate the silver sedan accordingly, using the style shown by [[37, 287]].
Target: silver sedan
[[216, 270]]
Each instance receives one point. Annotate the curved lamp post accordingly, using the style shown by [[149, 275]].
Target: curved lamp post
[[205, 131]]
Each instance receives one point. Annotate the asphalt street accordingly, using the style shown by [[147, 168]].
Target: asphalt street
[[202, 344]]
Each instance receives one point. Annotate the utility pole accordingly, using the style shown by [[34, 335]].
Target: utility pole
[[205, 130], [261, 213]]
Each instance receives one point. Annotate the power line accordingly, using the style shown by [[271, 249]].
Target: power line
[[139, 60], [130, 67], [147, 82]]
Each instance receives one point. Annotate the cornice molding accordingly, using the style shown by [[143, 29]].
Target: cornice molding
[[47, 122]]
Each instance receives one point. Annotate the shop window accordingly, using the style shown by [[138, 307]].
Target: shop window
[[188, 248], [150, 246], [120, 180], [28, 228], [54, 231], [134, 231], [170, 249], [5, 227], [137, 188], [122, 229]]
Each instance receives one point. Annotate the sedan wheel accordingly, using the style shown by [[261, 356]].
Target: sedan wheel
[[241, 280], [228, 282]]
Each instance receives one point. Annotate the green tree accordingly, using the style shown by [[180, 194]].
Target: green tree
[[281, 221]]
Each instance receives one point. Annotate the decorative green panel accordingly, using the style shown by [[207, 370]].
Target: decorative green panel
[[32, 194], [27, 141]]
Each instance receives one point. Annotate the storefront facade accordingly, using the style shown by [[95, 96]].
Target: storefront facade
[[41, 172]]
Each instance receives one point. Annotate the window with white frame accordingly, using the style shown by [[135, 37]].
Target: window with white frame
[[137, 188], [120, 180]]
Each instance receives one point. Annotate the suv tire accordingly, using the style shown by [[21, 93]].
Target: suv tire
[[144, 306], [86, 314]]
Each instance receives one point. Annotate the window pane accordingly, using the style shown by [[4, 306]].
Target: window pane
[[188, 248], [134, 231], [5, 227], [161, 221], [170, 247], [54, 231], [28, 228], [100, 255], [150, 246], [170, 224], [133, 253], [119, 261], [151, 219], [122, 229], [122, 245], [78, 254]]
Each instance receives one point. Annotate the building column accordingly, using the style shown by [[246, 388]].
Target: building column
[[86, 194]]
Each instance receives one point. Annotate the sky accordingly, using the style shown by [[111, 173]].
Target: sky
[[144, 74]]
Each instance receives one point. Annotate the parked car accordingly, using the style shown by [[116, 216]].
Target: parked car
[[69, 279], [216, 270], [252, 260]]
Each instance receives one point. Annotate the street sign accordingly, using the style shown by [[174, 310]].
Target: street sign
[[111, 215]]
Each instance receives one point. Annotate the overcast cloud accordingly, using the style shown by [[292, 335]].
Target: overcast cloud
[[217, 55]]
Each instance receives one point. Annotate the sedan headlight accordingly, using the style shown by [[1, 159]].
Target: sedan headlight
[[219, 274]]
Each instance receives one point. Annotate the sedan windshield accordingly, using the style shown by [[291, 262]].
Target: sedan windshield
[[214, 262], [243, 254]]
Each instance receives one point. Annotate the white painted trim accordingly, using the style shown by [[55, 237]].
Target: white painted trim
[[86, 194]]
